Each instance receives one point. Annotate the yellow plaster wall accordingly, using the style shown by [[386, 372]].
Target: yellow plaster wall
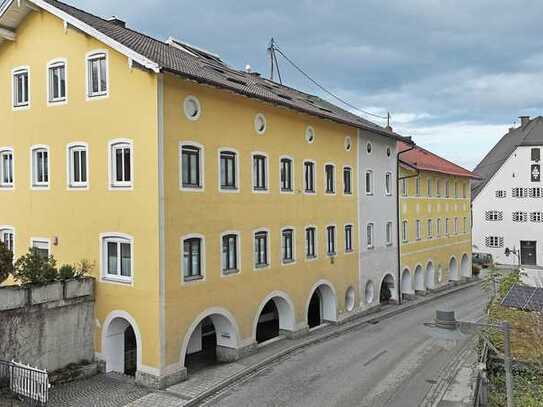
[[227, 120], [438, 250], [77, 218]]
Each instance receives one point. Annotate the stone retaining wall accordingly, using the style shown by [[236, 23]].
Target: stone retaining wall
[[50, 326]]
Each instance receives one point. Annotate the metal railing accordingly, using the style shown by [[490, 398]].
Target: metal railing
[[28, 383]]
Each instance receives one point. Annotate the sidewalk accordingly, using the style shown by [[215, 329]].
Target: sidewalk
[[205, 383]]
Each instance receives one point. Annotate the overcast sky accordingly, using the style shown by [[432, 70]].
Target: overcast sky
[[454, 74]]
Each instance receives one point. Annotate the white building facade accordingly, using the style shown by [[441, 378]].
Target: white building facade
[[508, 199]]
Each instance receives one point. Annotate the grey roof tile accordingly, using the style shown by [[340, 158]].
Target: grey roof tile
[[214, 72]]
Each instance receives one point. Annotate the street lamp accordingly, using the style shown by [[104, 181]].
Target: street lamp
[[449, 327]]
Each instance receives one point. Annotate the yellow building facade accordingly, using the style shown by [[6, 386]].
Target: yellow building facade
[[435, 221], [217, 219]]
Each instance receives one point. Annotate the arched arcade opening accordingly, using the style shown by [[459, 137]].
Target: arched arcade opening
[[276, 314], [322, 306], [120, 346]]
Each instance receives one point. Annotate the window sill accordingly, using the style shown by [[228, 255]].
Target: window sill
[[330, 192], [388, 244], [331, 254], [287, 262], [192, 278], [310, 192], [261, 266], [118, 187], [230, 272], [350, 251], [260, 189], [192, 187], [78, 187], [228, 189], [313, 257], [7, 187], [287, 191], [118, 280]]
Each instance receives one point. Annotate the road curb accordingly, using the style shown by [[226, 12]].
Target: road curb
[[343, 326]]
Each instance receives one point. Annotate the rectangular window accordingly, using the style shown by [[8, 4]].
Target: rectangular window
[[429, 187], [464, 191], [417, 185], [494, 241], [369, 182], [330, 179], [21, 89], [261, 249], [228, 170], [117, 257], [369, 235], [77, 160], [520, 216], [417, 229], [192, 259], [309, 176], [40, 167], [438, 227], [41, 247], [447, 189], [388, 233], [438, 187], [347, 181], [260, 182], [288, 245], [97, 75], [500, 194], [190, 167], [121, 155], [404, 187], [430, 229], [286, 175], [455, 226], [405, 236], [57, 82], [520, 192], [230, 254], [331, 240], [536, 154], [388, 183], [310, 244], [446, 226], [7, 237], [536, 217], [6, 169], [465, 225], [348, 238], [534, 192]]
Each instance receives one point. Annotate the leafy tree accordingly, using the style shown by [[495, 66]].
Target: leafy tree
[[6, 262], [32, 268]]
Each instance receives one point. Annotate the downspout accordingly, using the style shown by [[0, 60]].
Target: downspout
[[398, 179]]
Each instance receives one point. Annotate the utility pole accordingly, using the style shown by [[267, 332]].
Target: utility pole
[[271, 51]]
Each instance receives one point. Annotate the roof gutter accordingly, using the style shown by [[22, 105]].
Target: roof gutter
[[399, 240]]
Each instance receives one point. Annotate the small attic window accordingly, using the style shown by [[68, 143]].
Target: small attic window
[[536, 154], [192, 108], [260, 123]]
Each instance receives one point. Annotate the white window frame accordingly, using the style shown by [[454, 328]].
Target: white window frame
[[447, 231], [334, 253], [4, 229], [315, 184], [238, 253], [405, 231], [112, 183], [370, 235], [196, 101], [388, 185], [438, 228], [403, 187], [39, 186], [292, 174], [294, 257], [202, 258], [389, 236], [418, 234], [455, 225], [96, 54], [188, 143], [334, 180], [236, 169], [370, 190], [351, 251], [11, 185], [72, 185], [430, 187], [56, 63], [316, 243], [14, 105], [348, 167], [118, 238], [268, 249], [266, 175], [430, 228], [417, 185], [41, 240]]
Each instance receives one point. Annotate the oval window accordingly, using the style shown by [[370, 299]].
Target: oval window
[[369, 292], [192, 108], [389, 152], [348, 143], [260, 123], [349, 299], [310, 135], [369, 148]]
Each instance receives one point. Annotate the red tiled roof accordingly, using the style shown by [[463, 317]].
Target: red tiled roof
[[425, 160]]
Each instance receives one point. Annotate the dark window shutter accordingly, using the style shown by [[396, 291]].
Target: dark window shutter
[[536, 154]]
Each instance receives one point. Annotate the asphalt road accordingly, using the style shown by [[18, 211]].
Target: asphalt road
[[394, 363]]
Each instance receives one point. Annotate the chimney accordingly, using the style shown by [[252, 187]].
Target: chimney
[[117, 21], [524, 120]]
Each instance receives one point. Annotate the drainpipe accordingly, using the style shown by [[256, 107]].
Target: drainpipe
[[398, 218]]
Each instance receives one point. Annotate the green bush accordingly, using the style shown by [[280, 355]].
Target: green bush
[[6, 263], [84, 268], [35, 269], [476, 270], [66, 272]]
